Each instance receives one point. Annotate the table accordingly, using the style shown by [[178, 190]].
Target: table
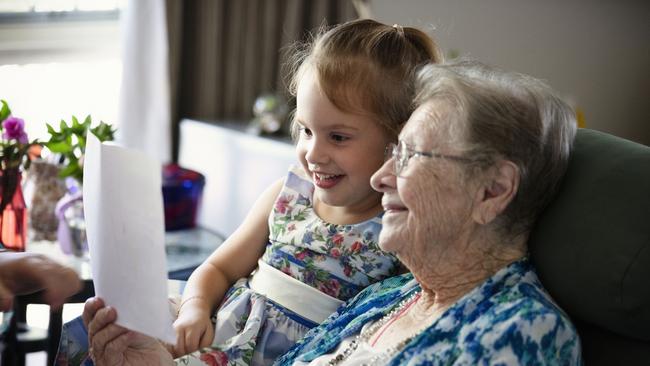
[[186, 250]]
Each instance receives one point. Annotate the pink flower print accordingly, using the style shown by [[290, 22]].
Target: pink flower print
[[301, 255], [335, 252], [214, 358], [330, 287], [347, 270], [356, 247], [337, 239], [286, 270], [282, 204], [14, 128], [291, 227]]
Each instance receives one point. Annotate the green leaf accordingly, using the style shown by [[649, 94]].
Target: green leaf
[[87, 122], [104, 132], [70, 141], [51, 130], [58, 138], [58, 147], [69, 170], [63, 126], [82, 143], [77, 128], [4, 112]]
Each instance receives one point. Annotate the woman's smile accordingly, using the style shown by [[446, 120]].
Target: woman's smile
[[392, 209]]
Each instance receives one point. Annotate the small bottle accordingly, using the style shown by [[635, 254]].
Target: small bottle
[[14, 220]]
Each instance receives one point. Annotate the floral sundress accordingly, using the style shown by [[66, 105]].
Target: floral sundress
[[338, 260]]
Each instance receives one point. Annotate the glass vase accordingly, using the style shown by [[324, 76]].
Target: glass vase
[[43, 188], [13, 222]]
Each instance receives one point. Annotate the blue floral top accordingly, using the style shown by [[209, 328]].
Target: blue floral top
[[507, 320], [339, 260]]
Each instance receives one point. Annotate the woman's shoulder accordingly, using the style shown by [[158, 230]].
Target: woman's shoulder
[[509, 319], [530, 331], [517, 292], [522, 311]]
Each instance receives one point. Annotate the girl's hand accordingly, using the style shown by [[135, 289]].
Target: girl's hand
[[194, 330], [111, 344]]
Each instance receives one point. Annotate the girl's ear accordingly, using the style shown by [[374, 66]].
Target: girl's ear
[[496, 192]]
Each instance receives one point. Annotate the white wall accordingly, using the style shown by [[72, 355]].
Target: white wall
[[237, 167], [596, 53]]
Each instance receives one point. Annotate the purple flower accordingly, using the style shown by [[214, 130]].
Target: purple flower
[[14, 128]]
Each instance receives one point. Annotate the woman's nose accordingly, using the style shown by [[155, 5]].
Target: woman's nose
[[384, 180]]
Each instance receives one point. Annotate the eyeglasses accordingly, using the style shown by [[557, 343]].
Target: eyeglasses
[[402, 153]]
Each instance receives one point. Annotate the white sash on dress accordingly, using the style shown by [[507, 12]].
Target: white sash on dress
[[294, 295]]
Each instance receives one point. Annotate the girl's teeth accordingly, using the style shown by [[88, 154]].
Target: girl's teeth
[[325, 176]]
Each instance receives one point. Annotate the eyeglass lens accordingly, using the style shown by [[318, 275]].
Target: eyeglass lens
[[400, 155]]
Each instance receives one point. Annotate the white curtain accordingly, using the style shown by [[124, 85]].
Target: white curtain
[[144, 112]]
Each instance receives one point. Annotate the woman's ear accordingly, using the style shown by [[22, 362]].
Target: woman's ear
[[496, 192]]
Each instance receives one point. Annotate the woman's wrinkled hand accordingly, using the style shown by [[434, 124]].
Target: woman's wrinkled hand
[[194, 330], [111, 344]]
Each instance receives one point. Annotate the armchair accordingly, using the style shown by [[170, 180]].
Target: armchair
[[591, 248]]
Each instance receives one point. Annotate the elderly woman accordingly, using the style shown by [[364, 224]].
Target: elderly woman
[[477, 161]]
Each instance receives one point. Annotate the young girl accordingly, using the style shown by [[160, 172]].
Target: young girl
[[310, 241], [311, 236]]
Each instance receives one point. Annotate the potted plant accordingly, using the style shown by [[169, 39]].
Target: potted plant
[[69, 143], [14, 159]]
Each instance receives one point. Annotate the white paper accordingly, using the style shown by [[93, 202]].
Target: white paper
[[124, 215]]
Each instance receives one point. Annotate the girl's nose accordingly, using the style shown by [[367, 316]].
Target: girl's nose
[[317, 152]]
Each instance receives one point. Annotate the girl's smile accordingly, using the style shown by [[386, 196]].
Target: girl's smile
[[326, 181], [339, 151]]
